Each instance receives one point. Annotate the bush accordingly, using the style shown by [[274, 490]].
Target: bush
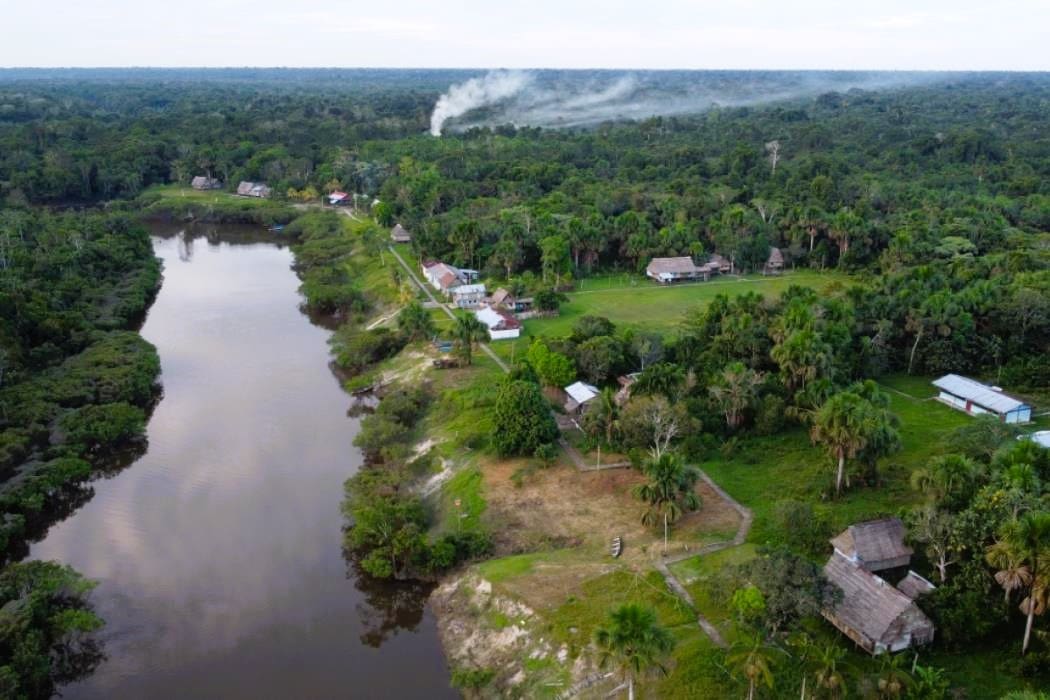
[[102, 427], [801, 527], [472, 678], [356, 349]]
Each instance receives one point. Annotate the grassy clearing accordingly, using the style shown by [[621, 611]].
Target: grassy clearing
[[462, 502]]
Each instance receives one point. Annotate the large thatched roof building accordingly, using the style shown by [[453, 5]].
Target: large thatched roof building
[[873, 613]]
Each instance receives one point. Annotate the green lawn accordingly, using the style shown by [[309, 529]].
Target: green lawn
[[634, 301]]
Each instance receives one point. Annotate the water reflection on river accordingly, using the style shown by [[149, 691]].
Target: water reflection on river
[[218, 551]]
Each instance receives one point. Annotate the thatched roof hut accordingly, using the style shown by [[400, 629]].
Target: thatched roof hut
[[399, 234], [873, 613], [874, 545]]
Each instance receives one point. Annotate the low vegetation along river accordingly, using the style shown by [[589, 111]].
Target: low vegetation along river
[[218, 552]]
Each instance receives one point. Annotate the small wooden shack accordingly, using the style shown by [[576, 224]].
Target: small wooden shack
[[774, 263], [871, 612], [399, 234], [874, 545], [253, 189], [205, 182]]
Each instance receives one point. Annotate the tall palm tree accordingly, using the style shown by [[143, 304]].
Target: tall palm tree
[[1011, 571], [752, 658], [1031, 536], [602, 418], [736, 390], [829, 675], [634, 641], [840, 425], [468, 331], [802, 356], [669, 492]]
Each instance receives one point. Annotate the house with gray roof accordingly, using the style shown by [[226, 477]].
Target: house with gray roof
[[973, 397], [874, 545]]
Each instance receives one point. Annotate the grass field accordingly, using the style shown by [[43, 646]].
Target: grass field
[[633, 301]]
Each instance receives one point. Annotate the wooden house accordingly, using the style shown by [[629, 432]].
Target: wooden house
[[204, 182], [399, 234], [874, 545], [774, 263], [670, 270], [253, 189], [721, 263], [871, 612], [975, 398]]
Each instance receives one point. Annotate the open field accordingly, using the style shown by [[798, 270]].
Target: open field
[[634, 301]]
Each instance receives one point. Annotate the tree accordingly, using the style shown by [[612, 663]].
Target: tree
[[415, 321], [935, 528], [602, 416], [634, 641], [669, 492], [751, 657], [1029, 538], [599, 358], [555, 258], [654, 422], [661, 379], [792, 586], [375, 241], [735, 390], [829, 675], [929, 684], [840, 425], [468, 331], [893, 679], [802, 356], [949, 480], [522, 420]]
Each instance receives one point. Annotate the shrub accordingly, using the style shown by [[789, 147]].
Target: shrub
[[523, 420]]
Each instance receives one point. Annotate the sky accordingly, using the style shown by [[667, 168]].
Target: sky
[[643, 34]]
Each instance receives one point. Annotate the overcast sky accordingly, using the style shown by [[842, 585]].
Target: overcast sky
[[841, 34]]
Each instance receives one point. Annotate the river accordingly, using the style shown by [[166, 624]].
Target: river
[[217, 552]]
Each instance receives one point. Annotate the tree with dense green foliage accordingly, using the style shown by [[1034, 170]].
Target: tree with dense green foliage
[[846, 425], [635, 642], [736, 390], [48, 636], [415, 321], [522, 419], [468, 331], [669, 492]]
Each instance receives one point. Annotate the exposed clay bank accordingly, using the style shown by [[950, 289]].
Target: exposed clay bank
[[219, 551]]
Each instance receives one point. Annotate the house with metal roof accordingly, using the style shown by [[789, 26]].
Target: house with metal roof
[[468, 296], [579, 394], [502, 325], [973, 397], [338, 198]]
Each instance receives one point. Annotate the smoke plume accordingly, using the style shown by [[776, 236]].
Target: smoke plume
[[552, 98], [476, 92]]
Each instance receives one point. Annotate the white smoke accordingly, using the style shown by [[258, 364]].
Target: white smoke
[[476, 92], [573, 99]]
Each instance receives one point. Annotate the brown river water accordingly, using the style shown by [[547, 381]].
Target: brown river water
[[218, 552]]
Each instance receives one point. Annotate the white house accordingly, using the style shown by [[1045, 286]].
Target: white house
[[975, 398], [468, 296], [441, 277], [501, 324]]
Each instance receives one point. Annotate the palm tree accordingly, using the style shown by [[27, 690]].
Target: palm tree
[[754, 662], [802, 356], [840, 425], [893, 679], [634, 640], [736, 390], [1011, 571], [1030, 539], [602, 418], [829, 675], [467, 331], [930, 684], [669, 492], [415, 321], [950, 479]]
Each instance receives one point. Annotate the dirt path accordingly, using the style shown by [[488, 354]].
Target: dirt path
[[746, 518], [426, 290]]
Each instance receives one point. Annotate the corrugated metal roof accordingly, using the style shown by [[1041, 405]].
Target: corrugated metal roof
[[981, 394], [581, 392], [469, 289]]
